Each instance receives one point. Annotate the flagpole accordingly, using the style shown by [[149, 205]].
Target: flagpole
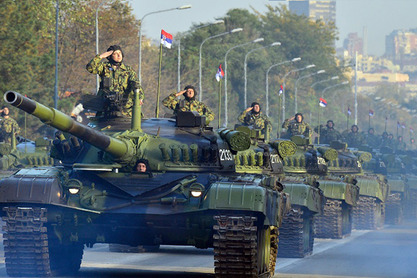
[[397, 127], [347, 119], [159, 82], [369, 121], [279, 115], [318, 127], [386, 119], [220, 101]]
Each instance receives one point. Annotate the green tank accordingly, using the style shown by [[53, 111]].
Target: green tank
[[191, 186], [296, 236], [369, 214]]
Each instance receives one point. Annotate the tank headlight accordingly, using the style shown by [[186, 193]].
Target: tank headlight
[[196, 190], [74, 190]]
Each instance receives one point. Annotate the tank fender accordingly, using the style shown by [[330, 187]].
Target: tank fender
[[340, 190], [304, 195]]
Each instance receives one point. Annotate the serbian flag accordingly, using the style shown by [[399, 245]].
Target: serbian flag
[[398, 124], [322, 102], [281, 90], [403, 125], [411, 130], [349, 112], [371, 112], [220, 73], [166, 39]]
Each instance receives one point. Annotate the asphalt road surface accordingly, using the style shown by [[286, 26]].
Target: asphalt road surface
[[390, 252]]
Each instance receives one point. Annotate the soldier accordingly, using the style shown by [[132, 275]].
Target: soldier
[[296, 126], [400, 146], [188, 104], [253, 116], [116, 78], [354, 138], [329, 134], [7, 126], [371, 139]]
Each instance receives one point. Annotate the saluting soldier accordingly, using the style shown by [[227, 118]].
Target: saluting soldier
[[296, 126], [252, 116], [7, 126], [189, 103], [116, 77]]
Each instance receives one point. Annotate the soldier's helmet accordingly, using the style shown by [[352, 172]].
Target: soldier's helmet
[[299, 114], [114, 48]]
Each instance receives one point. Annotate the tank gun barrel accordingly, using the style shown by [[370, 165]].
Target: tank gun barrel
[[55, 118]]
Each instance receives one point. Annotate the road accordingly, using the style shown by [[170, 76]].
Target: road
[[390, 252]]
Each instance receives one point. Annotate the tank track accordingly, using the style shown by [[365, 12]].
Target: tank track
[[394, 209], [235, 247], [331, 224], [28, 252], [368, 214], [411, 205], [292, 235]]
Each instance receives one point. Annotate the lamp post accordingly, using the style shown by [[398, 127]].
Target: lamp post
[[267, 82], [201, 46], [323, 81], [140, 33], [97, 42], [245, 68], [283, 85], [225, 74], [336, 85], [295, 88], [179, 48]]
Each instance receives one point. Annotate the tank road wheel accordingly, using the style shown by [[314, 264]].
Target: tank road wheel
[[29, 251], [368, 214], [394, 209], [241, 249], [296, 234], [335, 222]]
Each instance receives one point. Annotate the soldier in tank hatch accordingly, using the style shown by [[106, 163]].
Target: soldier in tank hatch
[[116, 77], [189, 103], [252, 116], [296, 126], [329, 133], [7, 126], [354, 138]]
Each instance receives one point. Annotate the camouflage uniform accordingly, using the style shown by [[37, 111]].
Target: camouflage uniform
[[173, 103], [328, 135], [123, 81], [6, 129], [295, 128], [257, 121], [373, 141], [354, 139]]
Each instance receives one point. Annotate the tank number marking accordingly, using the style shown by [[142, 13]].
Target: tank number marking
[[359, 164], [275, 158], [225, 155]]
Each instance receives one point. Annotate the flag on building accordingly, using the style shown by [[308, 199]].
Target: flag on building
[[349, 112], [166, 39], [371, 112], [281, 90], [322, 102], [220, 73]]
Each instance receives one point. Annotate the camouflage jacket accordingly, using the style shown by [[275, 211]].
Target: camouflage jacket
[[328, 135], [373, 141], [354, 139], [295, 128], [6, 128], [123, 80], [257, 121], [173, 103]]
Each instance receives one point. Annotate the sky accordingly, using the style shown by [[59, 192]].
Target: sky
[[380, 17]]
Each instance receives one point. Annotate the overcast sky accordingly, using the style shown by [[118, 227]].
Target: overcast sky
[[380, 17]]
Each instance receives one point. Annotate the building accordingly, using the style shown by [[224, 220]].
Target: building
[[353, 43], [315, 9], [401, 45]]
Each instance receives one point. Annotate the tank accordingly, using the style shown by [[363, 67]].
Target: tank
[[96, 197], [369, 214], [296, 236]]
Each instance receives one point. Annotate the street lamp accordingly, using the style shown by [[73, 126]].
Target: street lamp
[[283, 85], [97, 77], [201, 46], [245, 67], [295, 88], [179, 47], [336, 85], [225, 74], [267, 83], [140, 33], [322, 81]]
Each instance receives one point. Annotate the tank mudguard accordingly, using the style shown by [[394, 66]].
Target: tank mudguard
[[304, 195], [370, 186], [340, 190], [248, 198], [37, 185], [396, 184]]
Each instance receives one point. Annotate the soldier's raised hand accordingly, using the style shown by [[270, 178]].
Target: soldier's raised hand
[[106, 54], [249, 109], [180, 93]]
